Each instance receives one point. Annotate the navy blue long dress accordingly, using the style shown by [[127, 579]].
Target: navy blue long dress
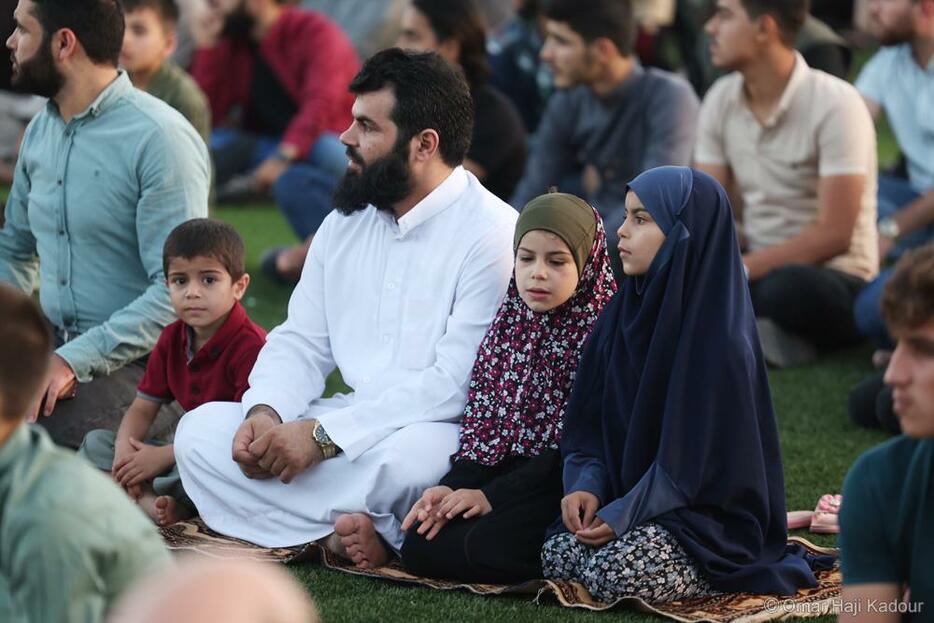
[[670, 422]]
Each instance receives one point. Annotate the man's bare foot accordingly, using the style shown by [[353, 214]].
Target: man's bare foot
[[364, 546], [168, 511], [333, 543]]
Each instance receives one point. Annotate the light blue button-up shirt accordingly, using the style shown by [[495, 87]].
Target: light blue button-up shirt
[[92, 203], [894, 80]]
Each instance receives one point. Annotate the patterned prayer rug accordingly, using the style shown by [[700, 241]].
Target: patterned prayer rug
[[194, 536]]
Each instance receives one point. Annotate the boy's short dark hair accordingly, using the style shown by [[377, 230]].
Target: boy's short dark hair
[[205, 237], [166, 10], [430, 94], [789, 14], [908, 298], [98, 25], [25, 346], [597, 19]]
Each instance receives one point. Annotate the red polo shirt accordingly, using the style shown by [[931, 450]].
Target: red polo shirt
[[218, 371], [312, 58]]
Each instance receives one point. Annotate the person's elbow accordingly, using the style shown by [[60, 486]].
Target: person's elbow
[[838, 239]]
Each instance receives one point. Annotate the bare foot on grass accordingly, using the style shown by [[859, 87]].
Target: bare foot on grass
[[358, 536]]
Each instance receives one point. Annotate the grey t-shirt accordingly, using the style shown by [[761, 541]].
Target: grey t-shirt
[[650, 120]]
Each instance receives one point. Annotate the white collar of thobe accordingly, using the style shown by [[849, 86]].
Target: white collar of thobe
[[443, 196]]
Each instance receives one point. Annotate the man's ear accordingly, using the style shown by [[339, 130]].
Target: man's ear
[[603, 50], [64, 44], [425, 145], [767, 28]]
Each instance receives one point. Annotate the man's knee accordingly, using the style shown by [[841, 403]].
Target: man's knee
[[209, 424], [187, 431]]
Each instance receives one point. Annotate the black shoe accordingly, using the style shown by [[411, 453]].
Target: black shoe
[[268, 266]]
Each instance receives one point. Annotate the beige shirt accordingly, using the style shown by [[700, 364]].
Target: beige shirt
[[821, 128]]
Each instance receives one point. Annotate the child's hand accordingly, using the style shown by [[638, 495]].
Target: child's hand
[[597, 534], [470, 502], [144, 464], [122, 453], [578, 510], [135, 492], [422, 511]]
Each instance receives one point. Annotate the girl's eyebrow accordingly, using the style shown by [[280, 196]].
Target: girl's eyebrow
[[521, 248]]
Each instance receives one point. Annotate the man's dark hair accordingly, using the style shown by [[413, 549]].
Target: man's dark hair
[[597, 19], [206, 237], [430, 94], [908, 297], [788, 14], [98, 25], [24, 356], [462, 21], [167, 10]]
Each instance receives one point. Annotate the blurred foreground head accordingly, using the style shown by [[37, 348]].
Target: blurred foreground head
[[217, 591]]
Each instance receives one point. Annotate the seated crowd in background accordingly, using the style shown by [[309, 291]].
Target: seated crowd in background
[[485, 344], [796, 149]]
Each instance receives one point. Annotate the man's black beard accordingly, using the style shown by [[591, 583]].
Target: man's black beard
[[894, 37], [383, 182], [239, 24], [39, 75]]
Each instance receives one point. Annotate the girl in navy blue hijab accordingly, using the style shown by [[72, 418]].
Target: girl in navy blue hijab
[[672, 472]]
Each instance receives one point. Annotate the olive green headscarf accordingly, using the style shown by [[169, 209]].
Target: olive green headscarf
[[567, 216]]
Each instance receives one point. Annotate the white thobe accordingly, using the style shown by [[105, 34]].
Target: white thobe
[[400, 308]]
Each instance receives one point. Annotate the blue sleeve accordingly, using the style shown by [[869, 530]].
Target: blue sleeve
[[655, 494], [19, 262], [873, 78], [673, 119], [553, 156], [581, 444]]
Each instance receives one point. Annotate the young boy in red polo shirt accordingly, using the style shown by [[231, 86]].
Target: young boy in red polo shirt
[[204, 356]]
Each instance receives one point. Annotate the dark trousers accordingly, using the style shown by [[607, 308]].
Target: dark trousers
[[870, 405], [813, 302], [502, 547], [101, 404]]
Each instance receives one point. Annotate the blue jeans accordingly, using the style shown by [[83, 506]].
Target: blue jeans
[[303, 192], [894, 194]]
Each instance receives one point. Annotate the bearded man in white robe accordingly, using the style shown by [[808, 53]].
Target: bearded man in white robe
[[400, 284]]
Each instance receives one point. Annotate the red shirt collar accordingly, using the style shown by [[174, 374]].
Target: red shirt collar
[[215, 346]]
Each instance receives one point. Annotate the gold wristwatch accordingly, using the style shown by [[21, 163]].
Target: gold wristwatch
[[328, 448]]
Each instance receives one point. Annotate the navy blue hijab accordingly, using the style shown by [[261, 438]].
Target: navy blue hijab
[[670, 419]]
